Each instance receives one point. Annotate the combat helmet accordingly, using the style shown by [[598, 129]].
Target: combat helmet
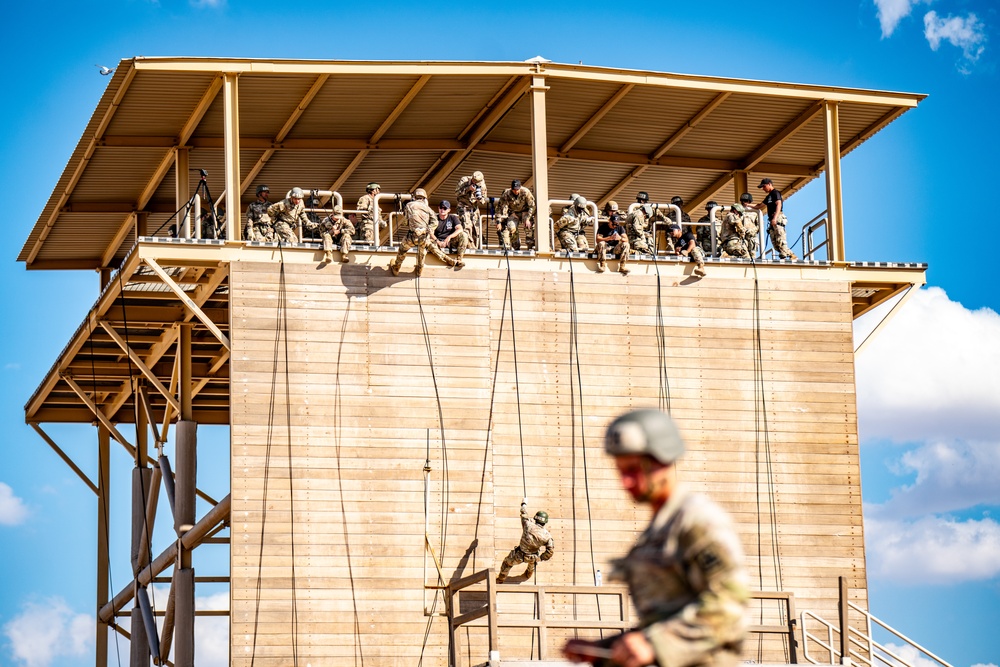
[[579, 202], [642, 197], [262, 188], [420, 193], [296, 193], [541, 517], [746, 198], [647, 431], [372, 186]]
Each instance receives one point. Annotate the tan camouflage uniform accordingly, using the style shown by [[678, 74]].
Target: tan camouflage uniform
[[637, 227], [287, 217], [779, 238], [536, 544], [569, 229], [513, 210], [418, 218], [336, 229], [751, 229], [367, 207], [259, 226], [704, 233], [468, 207], [732, 236], [686, 578]]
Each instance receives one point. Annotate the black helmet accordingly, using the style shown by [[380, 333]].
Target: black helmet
[[262, 188], [746, 198], [710, 205], [642, 197], [677, 201]]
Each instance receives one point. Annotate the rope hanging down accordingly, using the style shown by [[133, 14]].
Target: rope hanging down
[[517, 381]]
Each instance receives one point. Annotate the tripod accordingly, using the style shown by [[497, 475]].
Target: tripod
[[209, 216]]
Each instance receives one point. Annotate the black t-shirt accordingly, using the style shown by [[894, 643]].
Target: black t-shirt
[[685, 240], [771, 201], [446, 227], [608, 228]]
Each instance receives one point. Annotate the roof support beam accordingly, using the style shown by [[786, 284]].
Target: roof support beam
[[834, 190], [101, 417], [690, 125], [478, 133], [622, 184], [64, 456], [81, 167], [380, 132], [116, 241], [786, 132], [540, 171], [137, 360], [231, 154], [188, 302]]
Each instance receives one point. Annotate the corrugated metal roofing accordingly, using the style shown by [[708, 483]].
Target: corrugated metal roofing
[[426, 112]]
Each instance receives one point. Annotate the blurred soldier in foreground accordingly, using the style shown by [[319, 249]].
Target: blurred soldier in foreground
[[516, 205], [287, 214], [418, 217], [732, 244], [685, 245], [536, 544], [776, 219], [449, 233], [685, 573], [569, 228], [259, 227], [367, 207], [611, 237], [470, 194], [335, 229]]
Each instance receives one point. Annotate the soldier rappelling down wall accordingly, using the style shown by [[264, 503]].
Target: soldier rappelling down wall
[[536, 544]]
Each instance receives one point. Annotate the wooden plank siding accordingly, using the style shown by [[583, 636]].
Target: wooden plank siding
[[359, 389]]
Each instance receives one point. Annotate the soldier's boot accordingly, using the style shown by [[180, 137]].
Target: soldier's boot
[[623, 269], [459, 264], [601, 267], [699, 271], [394, 267], [345, 257], [504, 569], [327, 256], [530, 572], [795, 257]]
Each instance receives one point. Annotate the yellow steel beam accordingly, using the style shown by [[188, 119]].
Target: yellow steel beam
[[622, 184], [116, 241], [782, 136], [188, 302], [834, 194], [596, 118], [137, 360], [690, 125]]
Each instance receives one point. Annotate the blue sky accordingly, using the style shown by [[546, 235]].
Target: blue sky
[[929, 394]]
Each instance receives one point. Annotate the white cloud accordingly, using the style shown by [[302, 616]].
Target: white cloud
[[933, 372], [47, 630], [909, 654], [980, 664], [966, 33], [891, 12], [933, 550], [12, 508], [949, 476]]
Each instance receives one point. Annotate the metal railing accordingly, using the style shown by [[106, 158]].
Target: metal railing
[[809, 246], [862, 648]]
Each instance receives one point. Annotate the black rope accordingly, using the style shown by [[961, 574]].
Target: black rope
[[517, 381], [661, 343], [102, 485]]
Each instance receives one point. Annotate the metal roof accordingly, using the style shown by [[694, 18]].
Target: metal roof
[[314, 124]]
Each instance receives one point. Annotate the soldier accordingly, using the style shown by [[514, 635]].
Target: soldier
[[367, 207], [449, 233], [536, 544], [663, 219], [259, 226], [287, 214], [639, 219], [732, 244], [612, 237], [685, 245], [418, 217], [336, 229], [569, 228], [705, 232], [776, 219], [471, 193], [516, 205], [751, 223], [685, 572]]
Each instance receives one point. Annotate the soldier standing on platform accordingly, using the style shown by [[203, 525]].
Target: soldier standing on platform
[[536, 544], [685, 572], [259, 226], [287, 214], [732, 244], [569, 228], [751, 223], [367, 207], [516, 205], [776, 219], [470, 195]]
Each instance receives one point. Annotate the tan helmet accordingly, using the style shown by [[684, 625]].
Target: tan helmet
[[420, 193], [650, 432], [296, 193], [477, 176], [338, 210], [579, 201], [612, 205]]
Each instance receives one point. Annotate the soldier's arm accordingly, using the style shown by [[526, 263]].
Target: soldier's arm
[[274, 209], [530, 210], [549, 550]]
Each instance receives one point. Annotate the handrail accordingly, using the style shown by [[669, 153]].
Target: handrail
[[820, 221]]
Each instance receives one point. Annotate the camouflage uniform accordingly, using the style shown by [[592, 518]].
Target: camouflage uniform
[[367, 207], [621, 247], [779, 239], [418, 217], [638, 227], [287, 216], [569, 229], [336, 229], [686, 579], [513, 209], [704, 233], [536, 544], [259, 226], [732, 236], [751, 229], [468, 206]]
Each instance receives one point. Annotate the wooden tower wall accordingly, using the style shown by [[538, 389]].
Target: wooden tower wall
[[364, 416]]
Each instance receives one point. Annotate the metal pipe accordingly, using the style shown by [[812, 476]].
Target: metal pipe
[[197, 217], [378, 214], [142, 597], [552, 222], [593, 206], [168, 482], [715, 234]]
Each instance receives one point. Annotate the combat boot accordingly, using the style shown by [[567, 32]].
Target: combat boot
[[530, 572], [795, 257], [501, 578], [328, 257], [624, 270], [394, 268], [601, 267], [699, 271], [459, 264]]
